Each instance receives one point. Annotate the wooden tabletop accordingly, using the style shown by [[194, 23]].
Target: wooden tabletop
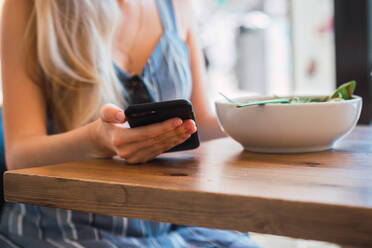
[[321, 196]]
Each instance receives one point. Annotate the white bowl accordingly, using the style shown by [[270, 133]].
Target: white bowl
[[288, 128]]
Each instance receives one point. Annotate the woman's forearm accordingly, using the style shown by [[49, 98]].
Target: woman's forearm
[[78, 144], [208, 128], [74, 145], [103, 138]]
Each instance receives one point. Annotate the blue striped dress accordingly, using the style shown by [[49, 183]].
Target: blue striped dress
[[166, 76]]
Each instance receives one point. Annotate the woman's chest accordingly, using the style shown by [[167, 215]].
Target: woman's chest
[[139, 34]]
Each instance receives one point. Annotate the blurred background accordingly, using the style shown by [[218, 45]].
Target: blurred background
[[268, 47], [286, 47]]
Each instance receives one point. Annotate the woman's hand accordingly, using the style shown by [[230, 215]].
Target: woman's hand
[[137, 145]]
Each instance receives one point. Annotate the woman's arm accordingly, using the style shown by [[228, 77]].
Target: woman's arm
[[207, 122], [26, 141], [24, 110]]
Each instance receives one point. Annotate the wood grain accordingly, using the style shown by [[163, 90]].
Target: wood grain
[[321, 196]]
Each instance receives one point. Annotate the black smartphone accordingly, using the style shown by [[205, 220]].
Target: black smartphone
[[149, 113]]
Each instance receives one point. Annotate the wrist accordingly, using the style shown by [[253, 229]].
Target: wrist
[[97, 141]]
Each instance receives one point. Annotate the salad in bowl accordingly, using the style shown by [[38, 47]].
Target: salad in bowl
[[290, 124]]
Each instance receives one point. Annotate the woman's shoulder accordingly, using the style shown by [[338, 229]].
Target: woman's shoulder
[[17, 37], [15, 17], [185, 14], [17, 12], [183, 3], [22, 6]]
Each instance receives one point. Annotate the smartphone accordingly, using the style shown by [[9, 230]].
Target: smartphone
[[149, 113]]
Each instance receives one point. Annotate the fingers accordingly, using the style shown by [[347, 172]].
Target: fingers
[[153, 151], [112, 114], [148, 150], [190, 126], [163, 138], [150, 131]]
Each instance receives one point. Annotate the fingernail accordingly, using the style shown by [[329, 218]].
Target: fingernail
[[119, 116], [177, 122], [194, 124], [190, 128]]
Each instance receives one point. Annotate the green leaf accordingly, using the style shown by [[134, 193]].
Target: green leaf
[[228, 99], [272, 101], [319, 99], [345, 91]]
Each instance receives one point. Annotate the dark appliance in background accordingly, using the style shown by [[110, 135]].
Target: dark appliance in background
[[353, 37]]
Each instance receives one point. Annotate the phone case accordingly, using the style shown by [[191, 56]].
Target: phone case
[[150, 113]]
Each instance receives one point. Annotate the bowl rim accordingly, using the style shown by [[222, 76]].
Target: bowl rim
[[225, 102]]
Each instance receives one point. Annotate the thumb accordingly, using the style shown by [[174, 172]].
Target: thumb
[[112, 114]]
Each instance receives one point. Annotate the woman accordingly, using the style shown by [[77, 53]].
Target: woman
[[66, 66]]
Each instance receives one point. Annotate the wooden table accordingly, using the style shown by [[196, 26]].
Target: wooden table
[[321, 196]]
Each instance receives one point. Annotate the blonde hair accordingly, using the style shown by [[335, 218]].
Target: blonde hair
[[71, 42]]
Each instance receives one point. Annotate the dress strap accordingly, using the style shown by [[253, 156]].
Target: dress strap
[[167, 15]]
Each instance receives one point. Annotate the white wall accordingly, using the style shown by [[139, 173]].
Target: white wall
[[313, 46]]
